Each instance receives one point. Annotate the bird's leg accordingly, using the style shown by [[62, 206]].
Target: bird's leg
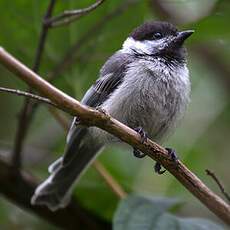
[[136, 152], [173, 156]]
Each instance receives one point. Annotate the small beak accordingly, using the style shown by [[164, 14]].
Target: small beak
[[182, 36]]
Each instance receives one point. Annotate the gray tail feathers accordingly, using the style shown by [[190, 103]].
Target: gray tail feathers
[[55, 192]]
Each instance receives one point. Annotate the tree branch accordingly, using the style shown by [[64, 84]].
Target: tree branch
[[92, 117], [29, 107], [69, 57], [214, 177], [102, 171], [26, 112], [110, 181], [19, 189], [71, 15]]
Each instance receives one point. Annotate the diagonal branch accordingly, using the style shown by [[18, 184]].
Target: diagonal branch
[[30, 107], [115, 187], [20, 188], [110, 181], [27, 108], [92, 117], [71, 15]]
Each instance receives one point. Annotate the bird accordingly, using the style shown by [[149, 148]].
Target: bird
[[145, 85]]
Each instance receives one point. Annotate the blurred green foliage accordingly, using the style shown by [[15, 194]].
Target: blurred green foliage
[[136, 212], [202, 139]]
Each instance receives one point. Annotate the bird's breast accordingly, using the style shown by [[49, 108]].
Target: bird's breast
[[150, 99]]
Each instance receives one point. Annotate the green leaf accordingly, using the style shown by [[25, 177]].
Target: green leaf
[[146, 213], [213, 26]]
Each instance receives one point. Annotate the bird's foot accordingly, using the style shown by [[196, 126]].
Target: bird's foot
[[157, 168], [173, 156], [77, 121], [103, 111], [136, 152]]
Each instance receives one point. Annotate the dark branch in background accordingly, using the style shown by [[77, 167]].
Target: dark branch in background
[[27, 108], [73, 51], [92, 117], [71, 218], [214, 177], [71, 15]]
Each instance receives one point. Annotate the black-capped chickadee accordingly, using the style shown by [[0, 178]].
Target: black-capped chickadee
[[144, 84]]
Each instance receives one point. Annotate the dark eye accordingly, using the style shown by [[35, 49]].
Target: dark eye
[[157, 35]]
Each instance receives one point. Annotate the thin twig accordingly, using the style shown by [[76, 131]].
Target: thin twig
[[73, 51], [214, 177], [109, 179], [92, 117], [69, 16], [27, 94], [26, 112]]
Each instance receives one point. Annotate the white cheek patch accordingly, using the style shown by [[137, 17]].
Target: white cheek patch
[[145, 46]]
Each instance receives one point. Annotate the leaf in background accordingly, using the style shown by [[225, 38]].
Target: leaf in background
[[214, 26], [145, 213]]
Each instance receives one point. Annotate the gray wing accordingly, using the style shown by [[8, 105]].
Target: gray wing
[[80, 149], [111, 76]]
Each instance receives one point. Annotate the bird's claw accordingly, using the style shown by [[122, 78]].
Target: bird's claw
[[173, 156], [157, 168], [136, 152], [142, 133]]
